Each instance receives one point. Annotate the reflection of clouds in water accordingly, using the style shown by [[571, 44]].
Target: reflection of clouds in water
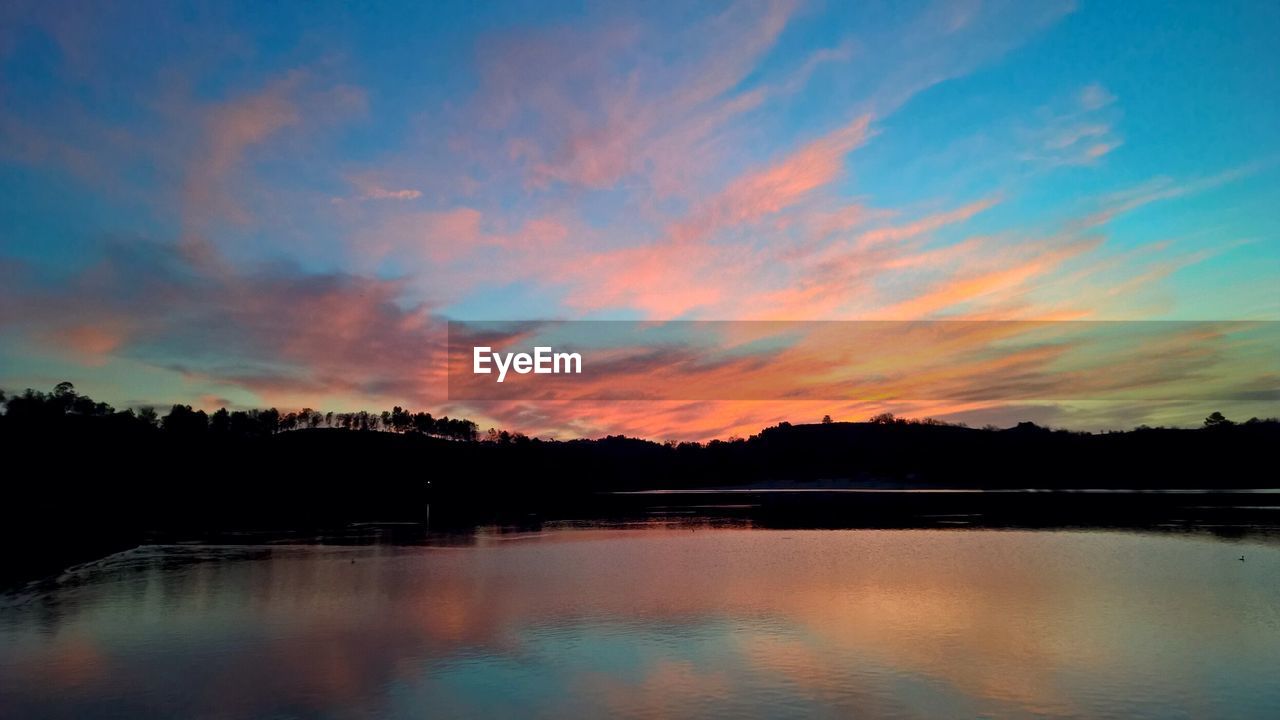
[[657, 622]]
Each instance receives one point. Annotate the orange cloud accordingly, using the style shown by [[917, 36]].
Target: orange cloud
[[776, 187], [969, 288], [91, 343], [687, 270]]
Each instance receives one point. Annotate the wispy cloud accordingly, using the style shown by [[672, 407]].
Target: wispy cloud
[[293, 218], [1079, 133]]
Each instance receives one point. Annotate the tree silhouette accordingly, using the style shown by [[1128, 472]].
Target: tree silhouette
[[220, 421], [65, 392], [269, 421], [41, 411], [1217, 419], [182, 420]]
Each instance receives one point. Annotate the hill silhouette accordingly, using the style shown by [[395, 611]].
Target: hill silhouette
[[84, 472]]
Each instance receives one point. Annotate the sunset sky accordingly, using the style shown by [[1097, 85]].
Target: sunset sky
[[255, 204]]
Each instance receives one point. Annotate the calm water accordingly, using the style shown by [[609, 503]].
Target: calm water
[[660, 621]]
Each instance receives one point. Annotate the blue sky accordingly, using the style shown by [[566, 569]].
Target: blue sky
[[257, 204]]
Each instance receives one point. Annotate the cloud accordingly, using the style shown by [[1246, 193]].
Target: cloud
[[777, 186], [1095, 97], [287, 336], [381, 193], [824, 278], [946, 41], [622, 101], [607, 164], [1079, 132], [1009, 277], [686, 269], [701, 371], [89, 343], [232, 127], [1161, 189], [371, 188], [478, 248]]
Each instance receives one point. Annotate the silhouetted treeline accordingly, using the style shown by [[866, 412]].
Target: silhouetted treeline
[[96, 472], [44, 411]]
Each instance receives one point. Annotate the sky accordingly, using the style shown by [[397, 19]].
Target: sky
[[283, 204]]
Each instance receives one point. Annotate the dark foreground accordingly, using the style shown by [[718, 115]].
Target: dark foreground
[[102, 483]]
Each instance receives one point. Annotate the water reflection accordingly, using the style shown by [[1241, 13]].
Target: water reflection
[[662, 620]]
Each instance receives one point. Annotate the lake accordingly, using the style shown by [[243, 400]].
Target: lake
[[658, 619]]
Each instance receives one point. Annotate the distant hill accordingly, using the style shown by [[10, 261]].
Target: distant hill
[[83, 478], [91, 464]]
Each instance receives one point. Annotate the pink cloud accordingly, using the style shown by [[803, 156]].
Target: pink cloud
[[686, 270], [590, 109], [90, 343], [970, 288], [230, 129], [289, 337], [462, 237], [777, 186]]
